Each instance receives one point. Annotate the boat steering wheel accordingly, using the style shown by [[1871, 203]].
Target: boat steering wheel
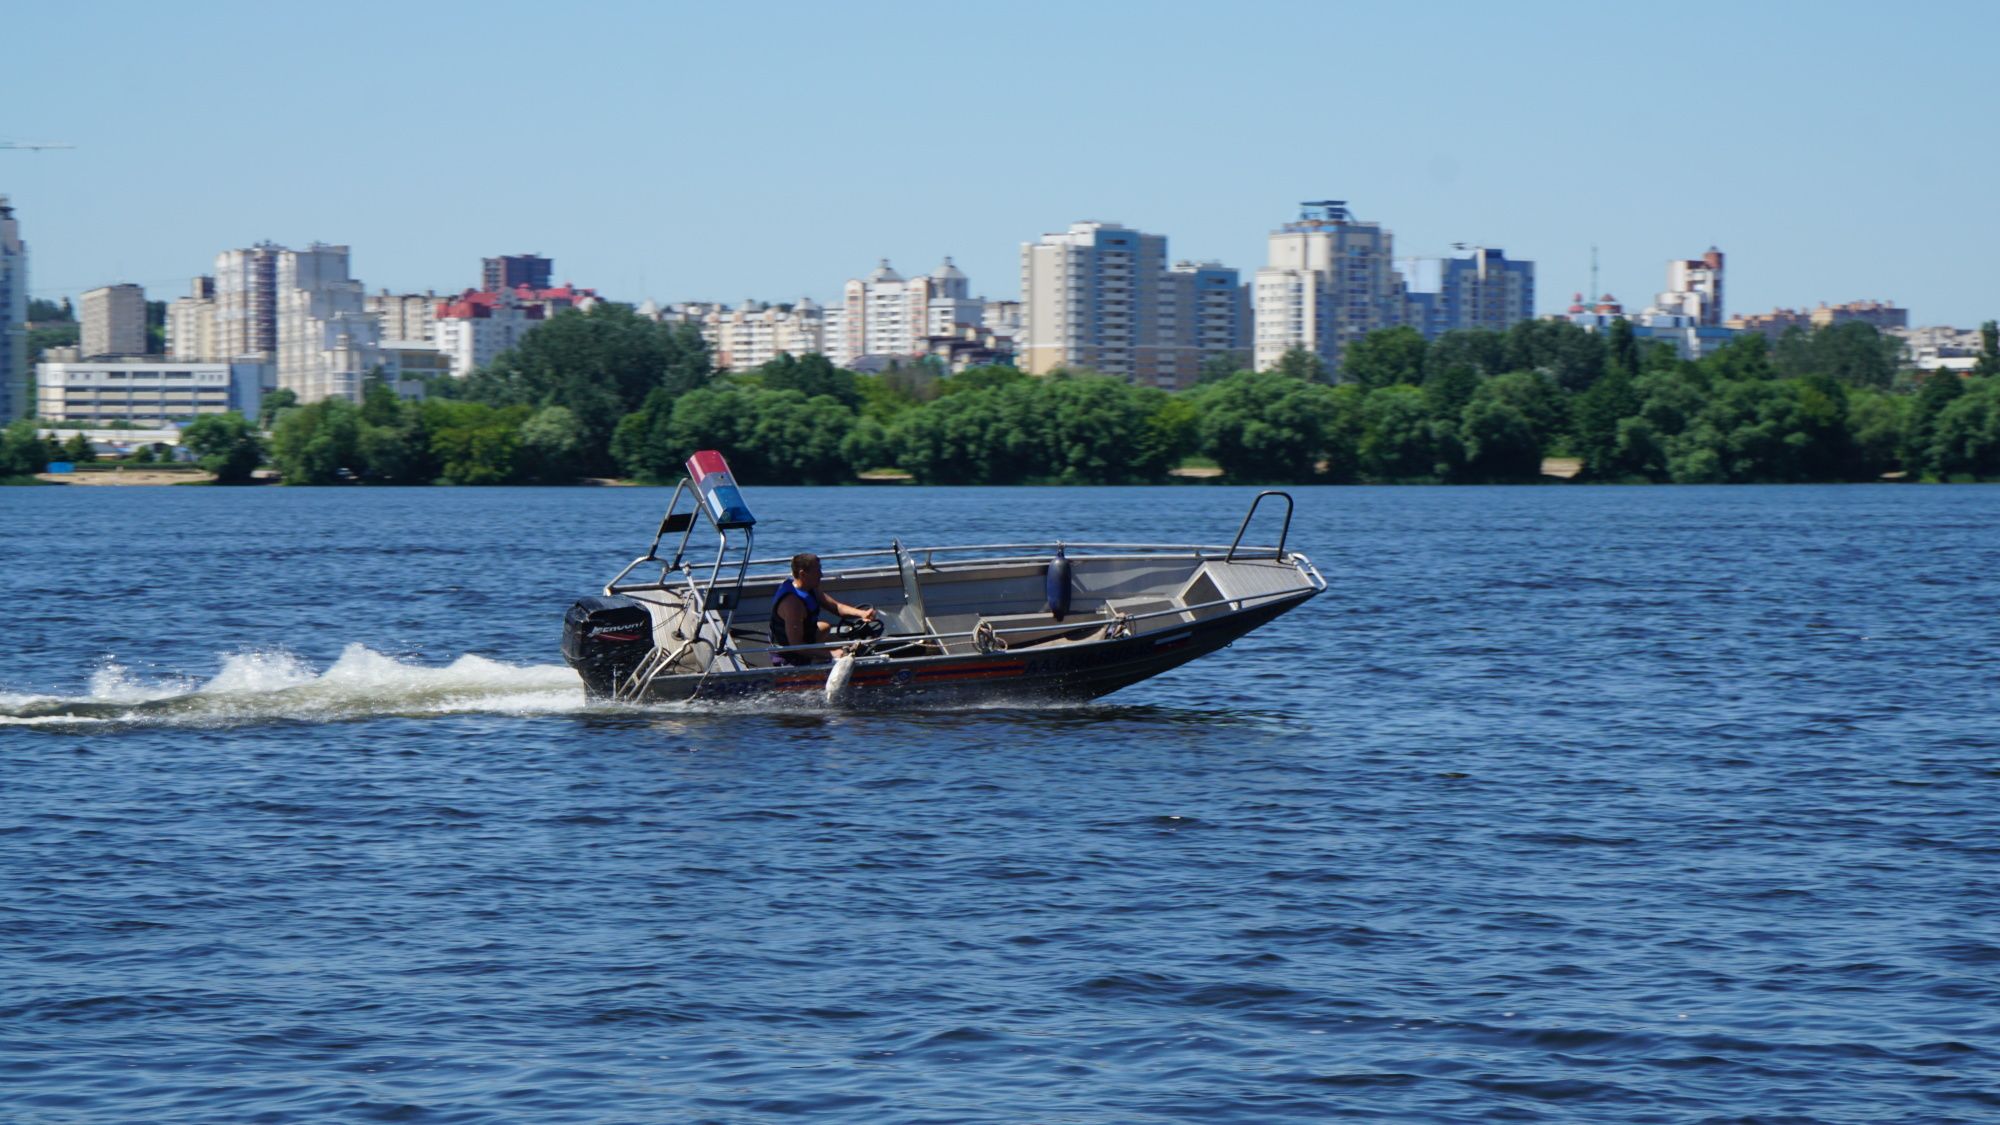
[[858, 628]]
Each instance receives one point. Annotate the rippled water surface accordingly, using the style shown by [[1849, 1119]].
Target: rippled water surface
[[1563, 805]]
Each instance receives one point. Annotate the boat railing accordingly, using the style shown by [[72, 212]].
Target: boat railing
[[1203, 552], [1123, 620]]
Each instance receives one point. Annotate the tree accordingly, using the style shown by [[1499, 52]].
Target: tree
[[1854, 353], [1937, 392], [274, 402], [78, 449], [471, 442], [1770, 431], [1568, 353], [1596, 413], [1267, 427], [1221, 365], [40, 310], [1506, 426], [1400, 439], [1385, 358], [226, 445], [1967, 441], [811, 376], [1298, 363], [22, 451], [1748, 356], [600, 364], [1481, 351], [318, 443], [769, 437], [1879, 423], [1988, 365], [552, 444], [1621, 349]]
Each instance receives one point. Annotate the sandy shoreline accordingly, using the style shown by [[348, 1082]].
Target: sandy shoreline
[[126, 476]]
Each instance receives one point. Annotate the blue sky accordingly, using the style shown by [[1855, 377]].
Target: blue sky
[[1834, 151]]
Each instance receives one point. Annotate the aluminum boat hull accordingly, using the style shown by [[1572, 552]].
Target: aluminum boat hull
[[1062, 673]]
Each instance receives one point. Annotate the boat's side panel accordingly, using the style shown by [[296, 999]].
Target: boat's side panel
[[1070, 671]]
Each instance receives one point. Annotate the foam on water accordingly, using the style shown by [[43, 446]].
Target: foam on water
[[273, 684]]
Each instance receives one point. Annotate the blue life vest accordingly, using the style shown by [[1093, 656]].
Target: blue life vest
[[779, 638]]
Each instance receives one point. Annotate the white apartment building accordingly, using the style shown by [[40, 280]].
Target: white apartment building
[[755, 333], [1329, 280], [327, 341], [192, 327], [403, 316], [886, 315], [1091, 298], [246, 301], [114, 321], [146, 392], [1100, 296], [14, 369], [1694, 290]]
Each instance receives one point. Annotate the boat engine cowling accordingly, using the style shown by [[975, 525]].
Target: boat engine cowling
[[604, 639]]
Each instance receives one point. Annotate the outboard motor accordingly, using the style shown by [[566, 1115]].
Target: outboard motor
[[604, 639]]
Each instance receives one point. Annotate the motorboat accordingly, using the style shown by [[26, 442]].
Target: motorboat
[[1063, 620]]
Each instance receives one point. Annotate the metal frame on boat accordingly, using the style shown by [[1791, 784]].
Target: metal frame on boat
[[1027, 621]]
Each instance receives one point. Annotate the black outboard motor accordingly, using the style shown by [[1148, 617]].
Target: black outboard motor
[[604, 639]]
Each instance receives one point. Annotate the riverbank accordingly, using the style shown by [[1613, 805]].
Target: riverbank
[[121, 474]]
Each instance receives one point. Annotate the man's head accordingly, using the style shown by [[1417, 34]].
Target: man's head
[[805, 570]]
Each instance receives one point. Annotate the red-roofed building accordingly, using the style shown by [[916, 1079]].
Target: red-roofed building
[[479, 324]]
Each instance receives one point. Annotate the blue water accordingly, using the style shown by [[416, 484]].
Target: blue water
[[1563, 805]]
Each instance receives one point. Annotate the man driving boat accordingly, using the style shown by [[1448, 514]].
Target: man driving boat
[[795, 611]]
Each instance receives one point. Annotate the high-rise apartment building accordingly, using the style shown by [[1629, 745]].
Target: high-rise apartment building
[[192, 327], [14, 369], [514, 270], [1204, 313], [1093, 297], [1329, 280], [1694, 290], [114, 321], [246, 301], [1476, 288], [327, 341]]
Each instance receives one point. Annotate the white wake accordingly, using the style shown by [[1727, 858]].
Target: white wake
[[277, 685]]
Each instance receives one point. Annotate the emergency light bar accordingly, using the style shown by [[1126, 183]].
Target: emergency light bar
[[716, 488]]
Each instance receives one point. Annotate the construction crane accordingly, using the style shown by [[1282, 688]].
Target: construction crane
[[34, 144]]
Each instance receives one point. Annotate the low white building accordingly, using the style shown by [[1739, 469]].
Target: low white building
[[1931, 348], [149, 392], [477, 326], [1690, 338], [410, 364]]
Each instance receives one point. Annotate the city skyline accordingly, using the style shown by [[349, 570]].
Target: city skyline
[[1545, 130]]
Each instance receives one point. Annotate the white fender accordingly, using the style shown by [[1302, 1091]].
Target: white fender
[[836, 680]]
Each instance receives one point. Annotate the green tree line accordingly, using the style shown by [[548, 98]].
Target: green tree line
[[606, 392]]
